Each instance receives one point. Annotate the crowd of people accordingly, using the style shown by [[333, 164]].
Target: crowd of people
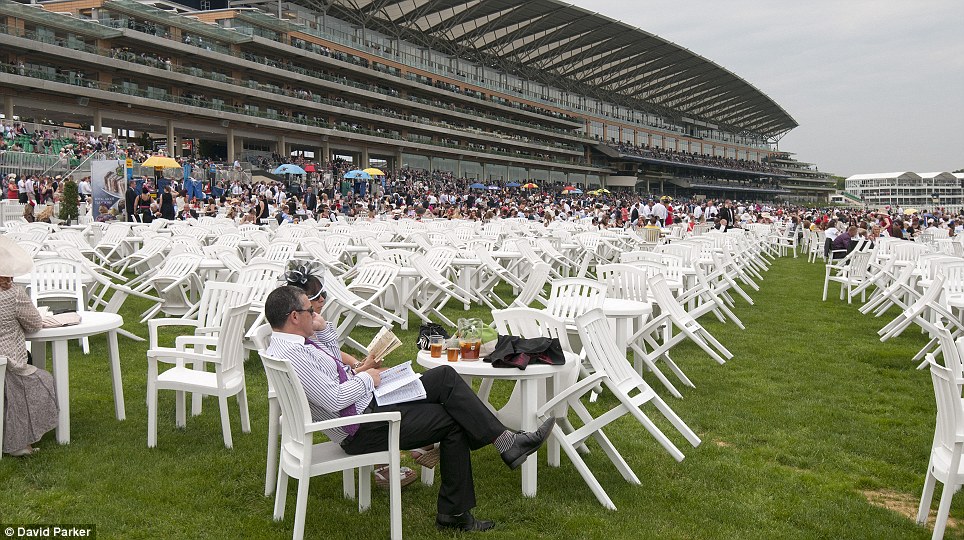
[[423, 194], [691, 158]]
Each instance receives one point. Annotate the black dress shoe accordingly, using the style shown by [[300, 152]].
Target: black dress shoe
[[527, 443], [463, 522]]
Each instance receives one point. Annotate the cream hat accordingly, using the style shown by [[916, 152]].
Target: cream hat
[[14, 261]]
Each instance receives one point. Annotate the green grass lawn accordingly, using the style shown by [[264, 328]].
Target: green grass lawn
[[814, 429]]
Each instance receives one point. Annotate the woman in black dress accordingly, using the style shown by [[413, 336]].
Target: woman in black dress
[[167, 204], [144, 206]]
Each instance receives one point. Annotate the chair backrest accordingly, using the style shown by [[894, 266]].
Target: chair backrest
[[394, 256], [295, 413], [281, 251], [373, 278], [686, 252], [217, 297], [261, 336], [950, 407], [535, 283], [601, 350], [624, 281], [441, 257], [953, 277], [571, 297], [634, 256], [57, 279], [180, 265], [531, 323], [231, 344], [663, 296]]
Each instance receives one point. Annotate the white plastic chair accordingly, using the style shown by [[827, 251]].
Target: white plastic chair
[[944, 464], [302, 460], [224, 351], [631, 392], [435, 290], [174, 283], [849, 272], [671, 315]]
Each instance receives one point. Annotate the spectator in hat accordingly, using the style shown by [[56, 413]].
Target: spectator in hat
[[30, 409]]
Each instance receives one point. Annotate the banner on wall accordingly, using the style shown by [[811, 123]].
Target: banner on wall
[[107, 182]]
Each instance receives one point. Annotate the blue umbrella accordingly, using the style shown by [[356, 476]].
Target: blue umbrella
[[288, 168], [477, 186], [357, 173], [576, 191], [513, 184], [494, 188]]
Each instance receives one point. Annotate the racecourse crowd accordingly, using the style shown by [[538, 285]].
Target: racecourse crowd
[[423, 195]]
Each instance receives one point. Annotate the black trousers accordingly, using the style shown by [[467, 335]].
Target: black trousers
[[450, 414]]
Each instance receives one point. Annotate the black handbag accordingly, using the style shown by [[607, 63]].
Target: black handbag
[[430, 329]]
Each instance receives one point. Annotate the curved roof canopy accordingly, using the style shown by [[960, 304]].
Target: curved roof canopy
[[561, 44]]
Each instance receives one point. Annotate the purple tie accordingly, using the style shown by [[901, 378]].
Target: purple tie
[[342, 377]]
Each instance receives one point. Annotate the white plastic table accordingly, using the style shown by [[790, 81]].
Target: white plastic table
[[91, 323], [529, 385]]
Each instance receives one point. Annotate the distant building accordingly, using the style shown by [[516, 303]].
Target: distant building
[[908, 189]]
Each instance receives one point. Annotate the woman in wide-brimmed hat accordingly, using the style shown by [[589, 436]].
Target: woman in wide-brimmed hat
[[31, 405]]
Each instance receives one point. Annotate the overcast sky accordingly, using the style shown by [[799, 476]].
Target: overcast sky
[[876, 85]]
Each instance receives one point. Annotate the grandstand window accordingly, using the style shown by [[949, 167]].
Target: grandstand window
[[627, 135], [656, 141], [669, 143], [612, 133], [696, 147], [596, 130]]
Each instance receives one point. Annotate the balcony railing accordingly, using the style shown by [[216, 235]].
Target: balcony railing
[[207, 104]]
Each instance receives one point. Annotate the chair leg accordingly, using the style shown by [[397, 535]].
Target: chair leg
[[274, 426], [151, 414], [943, 510], [179, 414], [243, 409], [300, 508], [587, 476], [365, 485], [348, 484], [926, 497], [280, 494], [225, 421]]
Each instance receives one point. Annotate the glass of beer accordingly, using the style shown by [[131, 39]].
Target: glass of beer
[[435, 344], [453, 354]]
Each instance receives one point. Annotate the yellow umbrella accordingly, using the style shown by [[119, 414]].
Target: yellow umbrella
[[602, 190], [162, 161], [530, 185], [374, 172], [910, 211]]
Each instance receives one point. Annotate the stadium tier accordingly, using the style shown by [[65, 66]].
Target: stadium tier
[[493, 90]]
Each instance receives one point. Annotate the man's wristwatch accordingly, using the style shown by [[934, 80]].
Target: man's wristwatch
[[356, 365]]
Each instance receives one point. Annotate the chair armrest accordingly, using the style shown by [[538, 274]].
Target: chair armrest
[[393, 416], [154, 324], [576, 390], [181, 355], [206, 330], [181, 341]]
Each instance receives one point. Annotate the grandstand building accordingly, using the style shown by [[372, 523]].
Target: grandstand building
[[493, 90]]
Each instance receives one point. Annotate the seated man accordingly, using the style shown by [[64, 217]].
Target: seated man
[[844, 243], [451, 413]]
